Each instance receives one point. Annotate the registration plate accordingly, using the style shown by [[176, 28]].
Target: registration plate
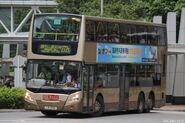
[[51, 97], [50, 107]]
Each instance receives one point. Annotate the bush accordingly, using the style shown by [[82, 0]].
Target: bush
[[12, 98]]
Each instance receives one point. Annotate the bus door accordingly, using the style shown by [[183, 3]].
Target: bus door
[[88, 85], [123, 88]]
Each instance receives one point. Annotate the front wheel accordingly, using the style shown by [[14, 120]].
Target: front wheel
[[98, 107], [49, 113]]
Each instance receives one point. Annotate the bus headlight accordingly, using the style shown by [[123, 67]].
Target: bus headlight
[[75, 98], [28, 97]]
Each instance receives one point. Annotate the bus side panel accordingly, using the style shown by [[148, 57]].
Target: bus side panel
[[134, 94], [90, 54], [110, 97]]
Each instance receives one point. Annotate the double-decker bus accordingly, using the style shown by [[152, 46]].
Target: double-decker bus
[[86, 64]]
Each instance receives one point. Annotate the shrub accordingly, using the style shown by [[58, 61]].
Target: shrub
[[11, 98]]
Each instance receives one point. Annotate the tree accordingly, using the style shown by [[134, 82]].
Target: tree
[[127, 9], [90, 8], [134, 10], [115, 8], [179, 5], [72, 6], [159, 7]]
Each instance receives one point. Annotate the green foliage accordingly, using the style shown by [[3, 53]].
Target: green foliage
[[127, 9], [20, 14], [71, 6], [134, 10], [11, 98], [159, 7], [90, 8], [179, 5]]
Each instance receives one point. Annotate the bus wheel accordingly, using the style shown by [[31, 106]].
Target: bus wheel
[[49, 113], [151, 101], [98, 107], [141, 104]]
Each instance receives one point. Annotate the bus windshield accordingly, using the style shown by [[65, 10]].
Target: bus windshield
[[53, 74], [56, 28]]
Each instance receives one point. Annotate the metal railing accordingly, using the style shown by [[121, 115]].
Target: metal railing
[[28, 2]]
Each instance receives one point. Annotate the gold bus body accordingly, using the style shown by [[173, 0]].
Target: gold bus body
[[86, 53]]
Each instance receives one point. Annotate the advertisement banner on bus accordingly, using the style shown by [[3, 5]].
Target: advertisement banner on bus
[[126, 53]]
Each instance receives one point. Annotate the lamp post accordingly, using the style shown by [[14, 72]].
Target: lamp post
[[101, 6]]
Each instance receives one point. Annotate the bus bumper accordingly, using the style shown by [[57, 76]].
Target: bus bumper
[[70, 103]]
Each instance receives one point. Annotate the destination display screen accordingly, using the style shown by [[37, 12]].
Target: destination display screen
[[56, 49]]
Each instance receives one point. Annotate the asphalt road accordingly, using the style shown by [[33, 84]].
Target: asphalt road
[[115, 117]]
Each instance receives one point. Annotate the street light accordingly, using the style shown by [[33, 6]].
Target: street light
[[101, 6]]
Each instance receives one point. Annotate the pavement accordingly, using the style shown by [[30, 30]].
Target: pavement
[[167, 107], [170, 107], [11, 110]]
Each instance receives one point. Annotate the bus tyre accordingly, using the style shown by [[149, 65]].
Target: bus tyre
[[151, 101], [141, 104], [49, 113], [147, 109], [98, 107]]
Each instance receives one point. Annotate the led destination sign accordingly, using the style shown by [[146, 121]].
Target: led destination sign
[[59, 49]]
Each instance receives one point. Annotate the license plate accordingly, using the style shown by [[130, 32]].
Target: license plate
[[50, 107], [51, 97]]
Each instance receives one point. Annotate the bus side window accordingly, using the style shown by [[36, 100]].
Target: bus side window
[[140, 35], [162, 36], [132, 36], [113, 32], [130, 73], [90, 31], [124, 31], [157, 76], [101, 30], [112, 76], [101, 76], [153, 36]]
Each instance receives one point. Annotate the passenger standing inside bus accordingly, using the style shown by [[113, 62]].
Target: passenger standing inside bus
[[66, 77], [69, 77], [62, 77]]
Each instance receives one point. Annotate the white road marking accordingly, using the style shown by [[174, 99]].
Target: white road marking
[[169, 112]]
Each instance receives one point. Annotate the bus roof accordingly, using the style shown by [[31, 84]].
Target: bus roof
[[124, 21], [108, 19]]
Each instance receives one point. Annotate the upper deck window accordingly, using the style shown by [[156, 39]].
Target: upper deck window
[[56, 34], [56, 28], [125, 33]]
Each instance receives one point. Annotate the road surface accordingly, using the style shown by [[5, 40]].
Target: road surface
[[115, 117]]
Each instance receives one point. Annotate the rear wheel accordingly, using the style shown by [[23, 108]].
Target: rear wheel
[[49, 113], [151, 101], [141, 104], [98, 107]]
